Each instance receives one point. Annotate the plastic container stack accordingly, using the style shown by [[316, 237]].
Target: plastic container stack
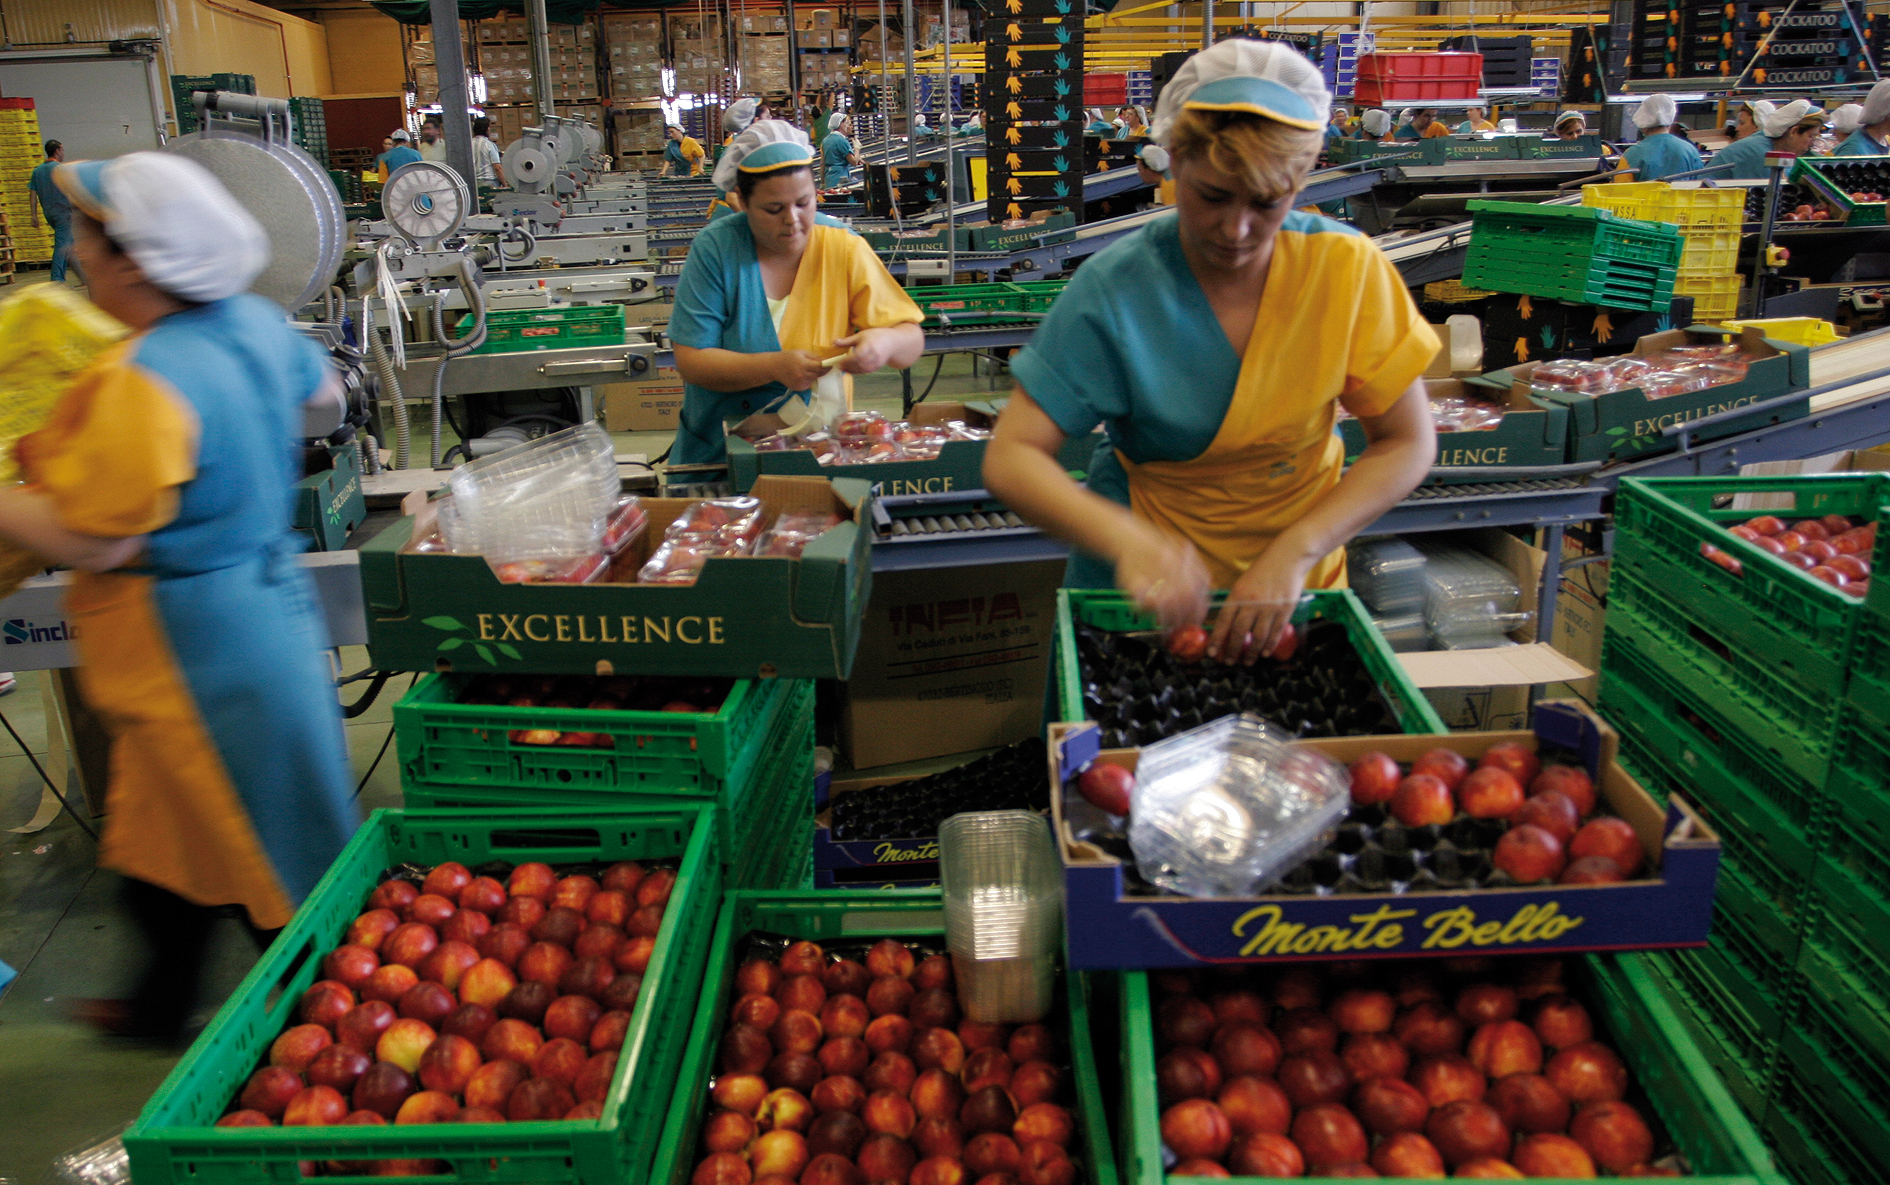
[[21, 151], [1709, 220], [1471, 602]]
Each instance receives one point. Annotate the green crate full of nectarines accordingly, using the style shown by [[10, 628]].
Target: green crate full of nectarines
[[492, 996], [1565, 1067], [832, 1047]]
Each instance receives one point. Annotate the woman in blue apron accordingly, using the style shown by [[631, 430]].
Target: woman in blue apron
[[1790, 128], [1869, 133], [1658, 154]]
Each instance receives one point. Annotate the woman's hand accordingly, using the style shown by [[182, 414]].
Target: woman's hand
[[1258, 607], [798, 370], [872, 350], [1165, 577]]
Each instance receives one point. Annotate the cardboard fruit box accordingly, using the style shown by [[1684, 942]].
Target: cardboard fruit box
[[1671, 906], [1622, 424], [744, 617], [1531, 436]]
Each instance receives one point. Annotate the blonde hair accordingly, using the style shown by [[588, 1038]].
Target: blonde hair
[[1265, 155]]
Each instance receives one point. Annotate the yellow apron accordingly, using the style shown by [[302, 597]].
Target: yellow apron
[[1266, 467], [840, 288]]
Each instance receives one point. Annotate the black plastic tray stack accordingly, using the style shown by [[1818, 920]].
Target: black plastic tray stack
[[1817, 43], [1506, 60], [1032, 94]]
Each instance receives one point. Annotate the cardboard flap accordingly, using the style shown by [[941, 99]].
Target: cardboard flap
[[1502, 666]]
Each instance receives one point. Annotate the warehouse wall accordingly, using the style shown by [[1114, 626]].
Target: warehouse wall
[[48, 22], [288, 55], [364, 52]]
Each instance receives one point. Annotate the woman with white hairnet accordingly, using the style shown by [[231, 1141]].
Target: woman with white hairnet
[[1869, 133], [163, 478], [682, 153], [1216, 346], [735, 121], [1476, 122], [1100, 124], [1134, 124], [769, 302], [1658, 154], [1789, 128], [1375, 125], [837, 157]]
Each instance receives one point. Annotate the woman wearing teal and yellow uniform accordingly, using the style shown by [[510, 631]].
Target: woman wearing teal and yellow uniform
[[164, 476], [1658, 154], [1216, 346], [1869, 134], [1790, 128], [837, 157], [682, 154], [766, 299], [1134, 124], [735, 121]]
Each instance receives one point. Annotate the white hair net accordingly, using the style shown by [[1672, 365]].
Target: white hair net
[[739, 115], [400, 134], [1847, 118], [1656, 111], [1775, 121], [1406, 116], [1376, 123], [758, 135], [1270, 61], [1155, 157], [1877, 103], [180, 226]]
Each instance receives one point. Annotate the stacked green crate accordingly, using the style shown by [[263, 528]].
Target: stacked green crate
[[182, 85], [310, 127], [1575, 253], [1755, 691]]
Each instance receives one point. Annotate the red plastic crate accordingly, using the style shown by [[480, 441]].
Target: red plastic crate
[[1106, 88], [1416, 77], [27, 104]]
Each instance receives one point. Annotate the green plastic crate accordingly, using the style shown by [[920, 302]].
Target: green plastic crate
[[1869, 688], [967, 299], [1576, 278], [1631, 1012], [1744, 688], [511, 331], [1111, 609], [1860, 794], [1816, 173], [174, 1140], [1823, 1069], [1770, 608], [1716, 1007], [1576, 253], [855, 915], [1039, 295], [460, 755], [1845, 961], [1814, 1150]]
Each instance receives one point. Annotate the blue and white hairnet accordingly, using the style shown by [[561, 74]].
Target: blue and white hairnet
[[766, 144], [1265, 78]]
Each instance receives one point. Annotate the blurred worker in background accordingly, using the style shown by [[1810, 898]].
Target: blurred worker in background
[[769, 303], [400, 153], [1099, 124], [1375, 125], [682, 155], [1790, 128], [1216, 346], [488, 164], [432, 144], [1741, 123], [45, 198], [1658, 154], [735, 120], [837, 158], [1134, 123], [1423, 126], [162, 478], [1870, 131], [1335, 126], [1477, 120], [1570, 125]]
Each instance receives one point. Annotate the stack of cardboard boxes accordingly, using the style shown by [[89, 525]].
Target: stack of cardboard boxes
[[633, 55], [699, 54], [825, 41], [765, 62]]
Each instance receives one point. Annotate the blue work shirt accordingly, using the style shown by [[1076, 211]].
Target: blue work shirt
[[1407, 132], [397, 156], [834, 151], [52, 199], [1102, 128], [1858, 143], [1746, 159], [1660, 156]]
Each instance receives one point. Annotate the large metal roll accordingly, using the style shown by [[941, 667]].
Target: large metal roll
[[426, 202]]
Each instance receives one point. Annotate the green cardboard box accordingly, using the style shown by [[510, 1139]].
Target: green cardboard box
[[744, 617], [1480, 148], [1621, 424], [1531, 435]]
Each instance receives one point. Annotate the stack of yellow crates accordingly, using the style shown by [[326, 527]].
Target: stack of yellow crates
[[1709, 220], [21, 151]]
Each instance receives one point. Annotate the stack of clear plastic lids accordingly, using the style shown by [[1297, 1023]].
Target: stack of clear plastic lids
[[541, 505], [1003, 893], [1223, 808], [867, 437], [1471, 602], [1387, 574], [1660, 375]]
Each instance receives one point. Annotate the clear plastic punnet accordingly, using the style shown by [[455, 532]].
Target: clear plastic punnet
[[1387, 574], [1471, 601], [547, 499], [1222, 809]]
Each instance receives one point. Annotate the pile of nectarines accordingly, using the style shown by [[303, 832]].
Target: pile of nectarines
[[838, 1072], [464, 999], [1478, 1067], [1546, 838]]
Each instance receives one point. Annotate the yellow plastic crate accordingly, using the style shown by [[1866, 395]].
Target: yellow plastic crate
[[1687, 207], [1453, 292], [1710, 252], [1715, 298], [1804, 331]]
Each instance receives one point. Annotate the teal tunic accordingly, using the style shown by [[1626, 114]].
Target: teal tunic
[[724, 210], [1334, 134], [834, 151], [722, 304], [1859, 143], [1660, 156], [1407, 132], [1744, 160], [1102, 128], [397, 156]]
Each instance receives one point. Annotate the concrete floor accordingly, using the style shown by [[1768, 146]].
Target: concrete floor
[[62, 1085]]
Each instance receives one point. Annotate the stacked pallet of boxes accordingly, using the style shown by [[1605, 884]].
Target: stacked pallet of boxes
[[574, 68], [505, 59], [633, 73], [700, 54], [1709, 222], [21, 151], [824, 39], [1033, 99], [1765, 693], [765, 61]]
